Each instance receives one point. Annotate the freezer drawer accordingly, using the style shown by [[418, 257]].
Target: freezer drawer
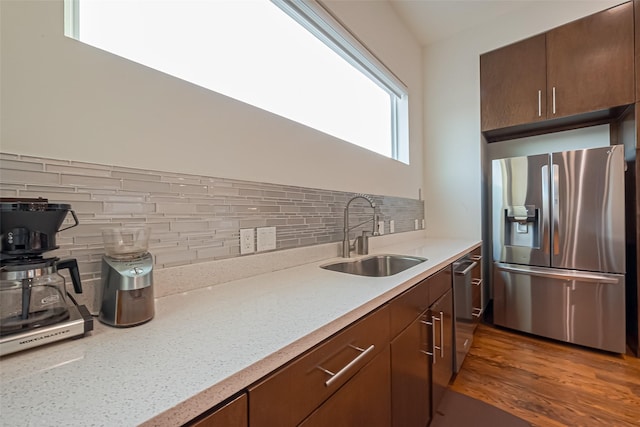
[[567, 305]]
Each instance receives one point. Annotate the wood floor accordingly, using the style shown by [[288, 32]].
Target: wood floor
[[550, 384]]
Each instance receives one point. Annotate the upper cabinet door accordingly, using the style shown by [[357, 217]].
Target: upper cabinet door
[[513, 84], [590, 63]]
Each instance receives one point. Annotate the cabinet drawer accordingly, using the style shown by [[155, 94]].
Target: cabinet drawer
[[233, 414], [364, 401], [439, 283], [405, 308], [289, 395]]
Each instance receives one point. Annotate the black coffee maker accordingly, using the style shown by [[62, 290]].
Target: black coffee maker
[[35, 307]]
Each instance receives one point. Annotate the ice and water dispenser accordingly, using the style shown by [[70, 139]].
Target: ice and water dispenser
[[522, 226]]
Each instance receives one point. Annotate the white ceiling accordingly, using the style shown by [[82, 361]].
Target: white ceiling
[[432, 20]]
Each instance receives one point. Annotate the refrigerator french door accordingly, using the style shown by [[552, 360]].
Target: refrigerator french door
[[558, 246]]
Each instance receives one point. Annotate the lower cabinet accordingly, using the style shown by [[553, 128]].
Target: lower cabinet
[[410, 375], [343, 381], [232, 414], [442, 358], [422, 354], [363, 401]]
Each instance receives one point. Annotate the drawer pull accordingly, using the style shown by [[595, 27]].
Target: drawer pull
[[476, 282], [476, 257], [433, 337], [348, 366]]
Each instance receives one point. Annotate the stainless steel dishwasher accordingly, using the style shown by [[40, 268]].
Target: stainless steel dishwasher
[[466, 314]]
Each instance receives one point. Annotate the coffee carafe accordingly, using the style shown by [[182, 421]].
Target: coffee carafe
[[34, 302], [127, 277], [34, 294]]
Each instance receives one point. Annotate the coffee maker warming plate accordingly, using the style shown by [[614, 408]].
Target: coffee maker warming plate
[[79, 323]]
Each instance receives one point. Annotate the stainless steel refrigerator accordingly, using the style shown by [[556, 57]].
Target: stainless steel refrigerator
[[559, 246]]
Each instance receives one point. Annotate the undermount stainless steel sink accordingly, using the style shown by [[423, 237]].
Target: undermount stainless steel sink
[[376, 266]]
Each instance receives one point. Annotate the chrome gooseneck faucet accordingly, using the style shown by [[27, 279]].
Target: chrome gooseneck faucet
[[361, 243]]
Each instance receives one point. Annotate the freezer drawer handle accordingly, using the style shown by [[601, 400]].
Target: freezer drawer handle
[[562, 276], [335, 376]]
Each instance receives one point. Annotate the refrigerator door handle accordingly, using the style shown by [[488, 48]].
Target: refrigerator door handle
[[545, 209], [555, 197], [541, 272]]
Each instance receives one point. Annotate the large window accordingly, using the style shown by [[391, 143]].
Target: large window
[[289, 57]]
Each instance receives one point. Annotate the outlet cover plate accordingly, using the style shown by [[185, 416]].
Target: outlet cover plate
[[266, 238], [247, 241]]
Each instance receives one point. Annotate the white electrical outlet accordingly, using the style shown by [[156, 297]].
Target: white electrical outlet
[[381, 227], [247, 241], [266, 238], [415, 224], [392, 226]]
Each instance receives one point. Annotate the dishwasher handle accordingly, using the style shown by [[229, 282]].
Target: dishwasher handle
[[468, 266]]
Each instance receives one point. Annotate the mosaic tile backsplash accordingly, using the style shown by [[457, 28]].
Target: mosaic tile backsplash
[[192, 218]]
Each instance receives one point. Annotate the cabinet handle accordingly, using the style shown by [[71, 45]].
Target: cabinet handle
[[476, 257], [554, 100], [348, 366], [539, 103], [424, 322], [476, 312], [441, 335], [476, 282], [435, 319]]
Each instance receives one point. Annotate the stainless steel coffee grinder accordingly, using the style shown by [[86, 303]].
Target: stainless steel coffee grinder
[[127, 277]]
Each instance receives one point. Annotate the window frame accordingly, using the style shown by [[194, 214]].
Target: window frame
[[317, 19]]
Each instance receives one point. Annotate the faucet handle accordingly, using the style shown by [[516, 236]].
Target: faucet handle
[[362, 243], [376, 224]]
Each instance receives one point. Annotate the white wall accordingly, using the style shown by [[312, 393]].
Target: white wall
[[453, 143], [66, 100]]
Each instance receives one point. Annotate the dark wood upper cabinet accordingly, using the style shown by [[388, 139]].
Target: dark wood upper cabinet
[[513, 84], [590, 63], [574, 74]]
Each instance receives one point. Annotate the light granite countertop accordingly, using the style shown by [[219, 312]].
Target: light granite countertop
[[202, 346]]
